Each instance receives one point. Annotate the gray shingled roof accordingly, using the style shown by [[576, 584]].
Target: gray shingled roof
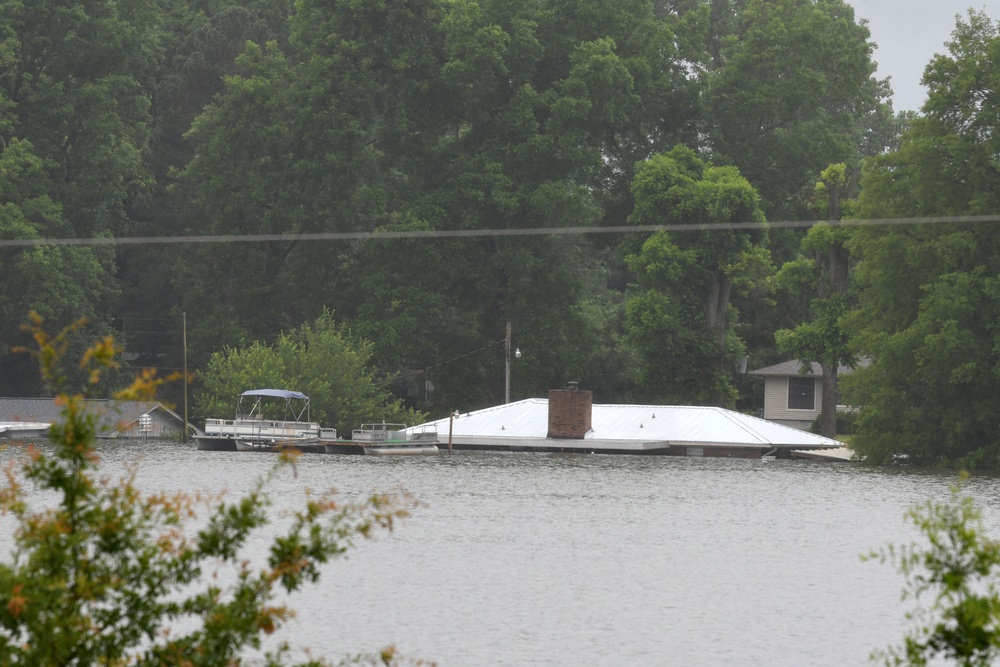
[[112, 415], [794, 367]]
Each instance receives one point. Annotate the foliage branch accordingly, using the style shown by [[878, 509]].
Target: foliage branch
[[957, 569], [108, 575]]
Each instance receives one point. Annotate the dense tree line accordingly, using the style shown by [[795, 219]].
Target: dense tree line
[[158, 118], [927, 311]]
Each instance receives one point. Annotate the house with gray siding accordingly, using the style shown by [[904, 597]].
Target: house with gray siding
[[793, 395]]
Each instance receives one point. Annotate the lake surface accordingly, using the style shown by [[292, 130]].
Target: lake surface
[[535, 559]]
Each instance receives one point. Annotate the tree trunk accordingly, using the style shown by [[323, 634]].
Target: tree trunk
[[828, 415], [838, 268], [838, 261], [716, 315]]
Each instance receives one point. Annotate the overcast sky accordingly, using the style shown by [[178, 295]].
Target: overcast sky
[[908, 34]]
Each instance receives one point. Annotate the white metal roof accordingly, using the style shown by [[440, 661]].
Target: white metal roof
[[616, 425], [27, 426]]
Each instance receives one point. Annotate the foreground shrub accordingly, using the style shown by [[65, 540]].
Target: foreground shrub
[[956, 570], [108, 575]]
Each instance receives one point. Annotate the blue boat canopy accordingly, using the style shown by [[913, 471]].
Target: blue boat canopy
[[276, 393]]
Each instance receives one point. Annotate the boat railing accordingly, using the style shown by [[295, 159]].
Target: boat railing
[[379, 432], [262, 428], [384, 432], [424, 432]]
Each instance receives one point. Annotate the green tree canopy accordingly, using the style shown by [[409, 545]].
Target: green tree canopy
[[322, 360], [792, 90], [76, 82], [60, 283], [281, 117], [822, 271], [79, 87], [681, 317], [431, 116], [930, 294]]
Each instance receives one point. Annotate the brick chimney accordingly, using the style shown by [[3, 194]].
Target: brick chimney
[[569, 412]]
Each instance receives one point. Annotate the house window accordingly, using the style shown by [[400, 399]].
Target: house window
[[802, 393]]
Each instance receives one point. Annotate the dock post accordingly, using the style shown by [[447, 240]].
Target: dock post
[[452, 416]]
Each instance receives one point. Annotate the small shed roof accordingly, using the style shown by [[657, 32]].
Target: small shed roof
[[632, 424]]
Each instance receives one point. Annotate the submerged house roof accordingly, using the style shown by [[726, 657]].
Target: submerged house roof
[[625, 428], [113, 416]]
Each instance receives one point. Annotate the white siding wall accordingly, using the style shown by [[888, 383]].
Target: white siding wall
[[776, 403], [161, 427]]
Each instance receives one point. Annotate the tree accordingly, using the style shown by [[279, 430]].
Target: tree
[[76, 82], [928, 294], [791, 89], [322, 360], [681, 317], [324, 134], [102, 575], [199, 42], [958, 569], [80, 86], [437, 117], [823, 268], [57, 282]]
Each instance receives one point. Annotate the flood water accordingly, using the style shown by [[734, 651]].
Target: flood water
[[534, 559]]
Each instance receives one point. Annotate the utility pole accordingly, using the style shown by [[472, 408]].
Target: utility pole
[[184, 322], [506, 392]]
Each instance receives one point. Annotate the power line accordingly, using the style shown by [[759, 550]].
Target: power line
[[461, 356], [472, 233]]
